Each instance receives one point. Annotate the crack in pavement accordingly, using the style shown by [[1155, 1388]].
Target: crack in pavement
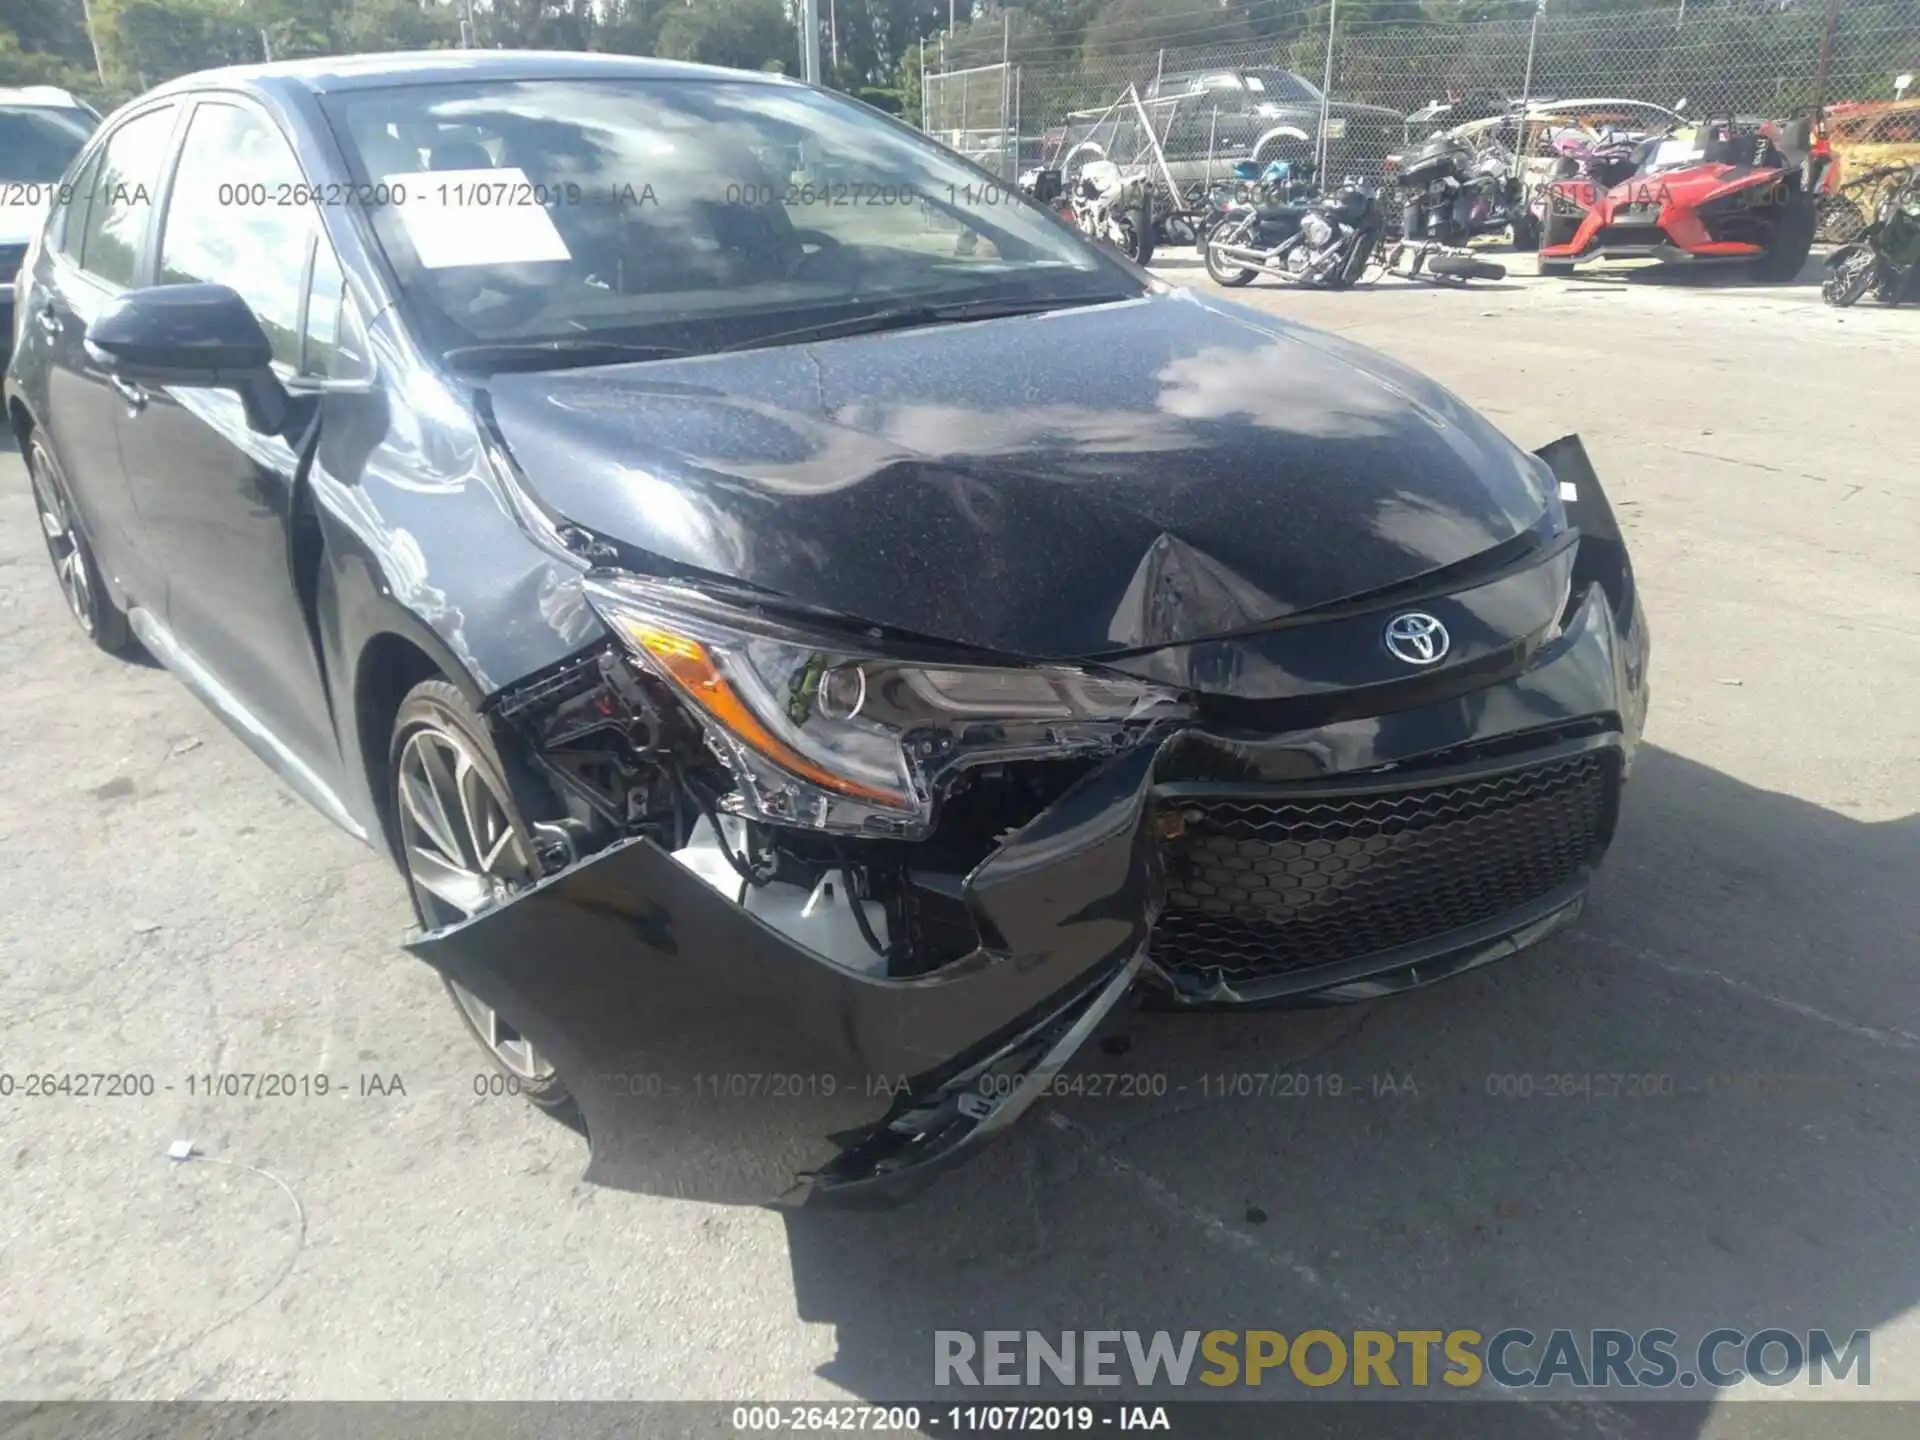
[[1896, 1039]]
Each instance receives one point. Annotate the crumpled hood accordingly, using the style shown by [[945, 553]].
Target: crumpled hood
[[1118, 477]]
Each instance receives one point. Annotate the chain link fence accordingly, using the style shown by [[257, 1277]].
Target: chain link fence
[[1378, 86]]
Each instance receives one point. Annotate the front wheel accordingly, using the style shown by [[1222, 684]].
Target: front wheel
[[1850, 279], [1136, 234], [1557, 230], [1792, 243], [1221, 272], [464, 848]]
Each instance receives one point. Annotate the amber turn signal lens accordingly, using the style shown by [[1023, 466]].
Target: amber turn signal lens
[[689, 665]]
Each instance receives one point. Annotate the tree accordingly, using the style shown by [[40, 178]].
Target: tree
[[54, 28], [1132, 28], [994, 33], [744, 34]]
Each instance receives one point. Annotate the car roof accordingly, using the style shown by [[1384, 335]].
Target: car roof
[[41, 96], [326, 74]]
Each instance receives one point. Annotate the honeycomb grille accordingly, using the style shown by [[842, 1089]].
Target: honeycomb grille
[[1260, 887]]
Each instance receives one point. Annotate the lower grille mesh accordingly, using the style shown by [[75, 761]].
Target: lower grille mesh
[[1260, 887]]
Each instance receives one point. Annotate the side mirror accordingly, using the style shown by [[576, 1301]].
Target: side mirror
[[191, 335]]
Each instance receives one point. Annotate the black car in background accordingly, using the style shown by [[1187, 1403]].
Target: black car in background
[[41, 130], [812, 632]]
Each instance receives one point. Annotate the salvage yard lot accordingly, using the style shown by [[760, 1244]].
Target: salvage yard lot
[[1753, 946]]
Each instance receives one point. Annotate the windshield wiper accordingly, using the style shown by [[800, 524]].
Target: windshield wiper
[[497, 355], [902, 317]]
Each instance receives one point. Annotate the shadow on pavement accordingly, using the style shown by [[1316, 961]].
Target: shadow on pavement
[[1747, 956]]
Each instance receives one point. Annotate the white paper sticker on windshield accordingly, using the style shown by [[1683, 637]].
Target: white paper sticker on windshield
[[477, 217], [1676, 152]]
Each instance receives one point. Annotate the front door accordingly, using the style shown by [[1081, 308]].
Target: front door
[[95, 252], [220, 501]]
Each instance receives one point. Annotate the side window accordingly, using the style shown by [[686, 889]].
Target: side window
[[238, 215], [68, 223], [325, 299], [123, 197]]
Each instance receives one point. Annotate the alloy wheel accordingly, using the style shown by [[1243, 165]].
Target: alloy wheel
[[64, 548], [464, 854]]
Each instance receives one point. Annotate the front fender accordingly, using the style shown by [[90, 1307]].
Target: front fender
[[714, 1058]]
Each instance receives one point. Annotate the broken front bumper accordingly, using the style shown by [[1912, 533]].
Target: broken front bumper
[[714, 1058]]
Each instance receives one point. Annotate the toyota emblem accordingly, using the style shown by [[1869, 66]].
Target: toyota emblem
[[1417, 638]]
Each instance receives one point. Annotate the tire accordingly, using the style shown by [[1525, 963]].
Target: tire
[[1465, 267], [73, 564], [1792, 243], [1557, 230], [1221, 273], [463, 846], [1850, 279], [1137, 225], [1526, 234]]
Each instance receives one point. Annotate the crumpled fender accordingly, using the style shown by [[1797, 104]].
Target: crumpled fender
[[713, 1058]]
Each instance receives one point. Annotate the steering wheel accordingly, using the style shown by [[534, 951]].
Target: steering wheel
[[823, 244]]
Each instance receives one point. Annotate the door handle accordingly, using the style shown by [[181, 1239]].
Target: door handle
[[48, 319], [134, 395]]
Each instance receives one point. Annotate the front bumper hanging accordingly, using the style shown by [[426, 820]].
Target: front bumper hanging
[[714, 1058]]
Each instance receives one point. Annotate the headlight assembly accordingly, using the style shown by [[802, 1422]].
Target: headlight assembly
[[834, 734]]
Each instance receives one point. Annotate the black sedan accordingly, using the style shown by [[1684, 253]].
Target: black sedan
[[814, 634]]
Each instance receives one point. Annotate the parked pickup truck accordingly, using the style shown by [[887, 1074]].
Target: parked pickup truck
[[1208, 120]]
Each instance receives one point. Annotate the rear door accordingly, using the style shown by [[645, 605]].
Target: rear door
[[219, 500], [97, 249]]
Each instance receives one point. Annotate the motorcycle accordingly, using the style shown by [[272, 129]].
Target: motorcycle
[[1886, 257], [1105, 203], [1451, 193], [1278, 183], [1326, 243]]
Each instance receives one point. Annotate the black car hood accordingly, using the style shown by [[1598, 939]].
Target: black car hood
[[1092, 480]]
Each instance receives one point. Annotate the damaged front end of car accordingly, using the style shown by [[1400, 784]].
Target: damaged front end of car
[[825, 908]]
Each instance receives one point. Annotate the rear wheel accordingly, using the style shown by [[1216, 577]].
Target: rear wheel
[[1792, 243], [464, 849], [1526, 233], [73, 565]]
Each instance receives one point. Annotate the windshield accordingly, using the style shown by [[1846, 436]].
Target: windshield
[[1283, 85], [37, 143], [684, 214]]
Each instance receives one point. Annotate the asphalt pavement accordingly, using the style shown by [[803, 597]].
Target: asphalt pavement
[[1751, 952]]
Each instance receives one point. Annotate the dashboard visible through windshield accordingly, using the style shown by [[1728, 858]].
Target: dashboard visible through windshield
[[685, 214]]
